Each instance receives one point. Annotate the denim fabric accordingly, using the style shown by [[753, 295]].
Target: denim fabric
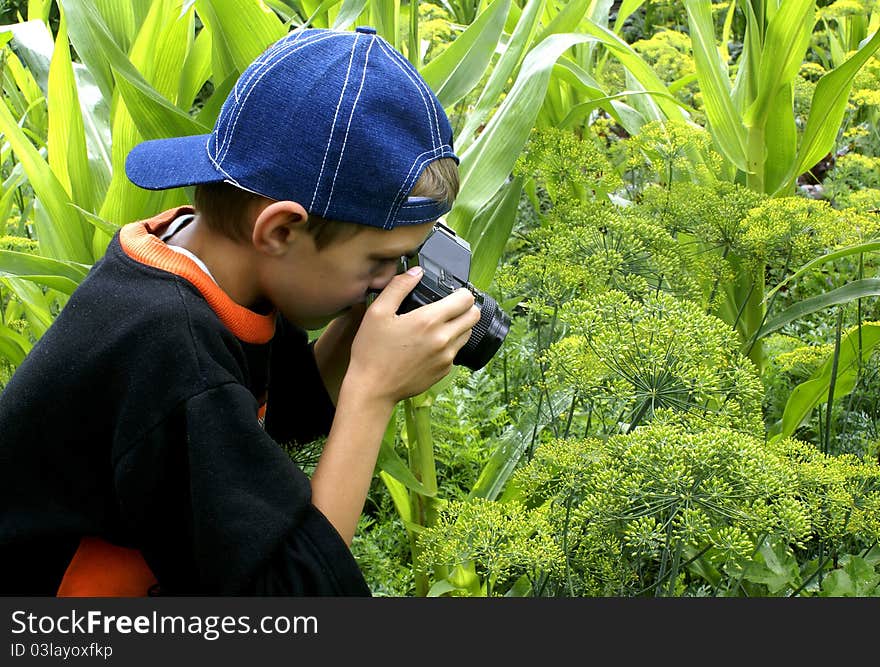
[[338, 121]]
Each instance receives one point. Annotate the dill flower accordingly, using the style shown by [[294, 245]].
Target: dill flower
[[657, 353]]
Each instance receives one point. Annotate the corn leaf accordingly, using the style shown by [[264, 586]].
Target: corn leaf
[[781, 143], [239, 32], [626, 9], [399, 495], [635, 67], [348, 13], [788, 36], [455, 72], [712, 74], [63, 276], [510, 448], [153, 114], [64, 236], [487, 163], [869, 246], [13, 346], [517, 46], [488, 233], [855, 349], [196, 70], [828, 106], [857, 289], [68, 156]]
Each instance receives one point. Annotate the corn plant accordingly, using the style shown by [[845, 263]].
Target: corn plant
[[751, 117]]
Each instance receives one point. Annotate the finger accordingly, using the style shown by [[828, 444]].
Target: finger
[[462, 340], [452, 305], [395, 292]]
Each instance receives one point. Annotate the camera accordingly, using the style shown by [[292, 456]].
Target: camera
[[445, 259]]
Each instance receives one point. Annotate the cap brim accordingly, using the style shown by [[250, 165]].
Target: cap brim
[[161, 164], [416, 210]]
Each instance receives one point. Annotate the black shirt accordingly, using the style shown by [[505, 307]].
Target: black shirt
[[141, 418]]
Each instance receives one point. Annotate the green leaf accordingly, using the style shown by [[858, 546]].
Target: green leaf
[[154, 115], [857, 289], [488, 233], [510, 448], [348, 13], [65, 237], [487, 163], [637, 68], [196, 69], [240, 32], [781, 143], [13, 346], [860, 248], [857, 578], [68, 156], [725, 121], [567, 20], [856, 347], [627, 8], [399, 495], [786, 41], [517, 46], [455, 72], [390, 463], [775, 567], [828, 106], [57, 274], [104, 225]]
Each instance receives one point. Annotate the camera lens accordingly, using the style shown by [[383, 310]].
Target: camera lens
[[487, 334]]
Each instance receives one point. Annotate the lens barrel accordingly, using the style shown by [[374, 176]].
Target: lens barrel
[[487, 334]]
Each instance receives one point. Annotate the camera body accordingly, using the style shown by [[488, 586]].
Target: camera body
[[445, 259]]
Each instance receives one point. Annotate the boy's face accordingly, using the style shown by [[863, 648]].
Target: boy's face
[[312, 286]]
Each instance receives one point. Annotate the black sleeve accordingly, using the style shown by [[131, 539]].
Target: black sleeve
[[217, 507], [299, 409]]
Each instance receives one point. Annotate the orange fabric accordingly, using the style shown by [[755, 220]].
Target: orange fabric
[[101, 569], [139, 242]]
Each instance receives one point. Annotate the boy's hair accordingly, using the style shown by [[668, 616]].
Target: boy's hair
[[230, 211]]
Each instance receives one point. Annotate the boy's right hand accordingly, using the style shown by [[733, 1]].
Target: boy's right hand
[[393, 356]]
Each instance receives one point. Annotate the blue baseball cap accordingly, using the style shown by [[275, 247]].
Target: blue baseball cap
[[338, 121]]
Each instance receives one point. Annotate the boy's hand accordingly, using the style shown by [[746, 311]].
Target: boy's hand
[[396, 356]]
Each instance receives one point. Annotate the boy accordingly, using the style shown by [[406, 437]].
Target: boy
[[139, 449]]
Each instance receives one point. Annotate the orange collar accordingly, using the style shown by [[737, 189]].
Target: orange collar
[[139, 241]]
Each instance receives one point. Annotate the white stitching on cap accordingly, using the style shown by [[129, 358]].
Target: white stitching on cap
[[333, 126], [348, 126], [257, 73], [422, 88], [265, 60], [266, 70]]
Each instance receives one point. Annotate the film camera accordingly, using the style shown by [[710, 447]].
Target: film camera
[[445, 259]]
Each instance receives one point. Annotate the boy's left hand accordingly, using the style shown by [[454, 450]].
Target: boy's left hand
[[333, 347]]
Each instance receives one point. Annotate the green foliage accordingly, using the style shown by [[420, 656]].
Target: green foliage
[[632, 359], [567, 168], [501, 541], [668, 510], [382, 552], [851, 175], [668, 151], [789, 231]]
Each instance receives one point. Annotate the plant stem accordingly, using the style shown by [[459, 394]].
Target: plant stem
[[421, 461], [834, 362]]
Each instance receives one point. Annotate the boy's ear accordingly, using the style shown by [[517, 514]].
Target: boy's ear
[[277, 226]]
